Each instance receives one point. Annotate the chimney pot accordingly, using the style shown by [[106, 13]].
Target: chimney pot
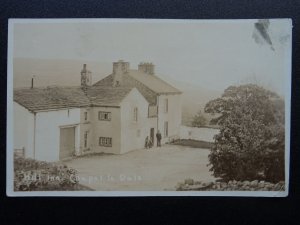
[[146, 67]]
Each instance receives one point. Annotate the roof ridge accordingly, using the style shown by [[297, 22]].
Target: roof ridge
[[140, 82], [165, 82], [156, 77]]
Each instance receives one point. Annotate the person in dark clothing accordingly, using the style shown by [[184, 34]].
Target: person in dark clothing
[[158, 137], [150, 143], [146, 142]]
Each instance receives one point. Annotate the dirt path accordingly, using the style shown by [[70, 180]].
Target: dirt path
[[156, 169]]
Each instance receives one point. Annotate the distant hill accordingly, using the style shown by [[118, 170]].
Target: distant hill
[[194, 99], [49, 72]]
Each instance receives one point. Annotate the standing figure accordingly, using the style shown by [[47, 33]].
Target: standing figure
[[158, 137], [150, 143], [146, 142]]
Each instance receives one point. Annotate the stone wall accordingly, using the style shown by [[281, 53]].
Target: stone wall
[[199, 134], [191, 185]]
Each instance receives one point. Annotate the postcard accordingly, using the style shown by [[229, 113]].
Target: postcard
[[148, 107]]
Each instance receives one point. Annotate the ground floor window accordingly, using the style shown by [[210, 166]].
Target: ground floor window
[[166, 129], [85, 139], [105, 141]]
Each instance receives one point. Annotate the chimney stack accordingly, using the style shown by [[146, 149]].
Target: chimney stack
[[86, 77], [147, 68], [119, 68], [32, 81]]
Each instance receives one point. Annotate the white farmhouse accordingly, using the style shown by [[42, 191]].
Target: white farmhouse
[[114, 115]]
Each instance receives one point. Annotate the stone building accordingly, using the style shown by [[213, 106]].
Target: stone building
[[114, 115]]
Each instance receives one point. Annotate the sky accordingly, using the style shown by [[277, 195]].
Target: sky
[[214, 54]]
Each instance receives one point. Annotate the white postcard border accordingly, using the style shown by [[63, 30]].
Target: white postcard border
[[10, 123]]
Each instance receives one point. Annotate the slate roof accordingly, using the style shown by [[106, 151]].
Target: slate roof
[[37, 99], [107, 96], [154, 83], [101, 93], [149, 85]]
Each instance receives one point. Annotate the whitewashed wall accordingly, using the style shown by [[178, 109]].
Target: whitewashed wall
[[86, 126], [111, 129], [23, 129], [131, 140], [200, 134], [48, 126], [173, 116]]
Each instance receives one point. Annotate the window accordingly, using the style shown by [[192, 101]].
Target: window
[[104, 116], [166, 105], [135, 114], [152, 110], [105, 141], [85, 116], [138, 133], [85, 139], [166, 129]]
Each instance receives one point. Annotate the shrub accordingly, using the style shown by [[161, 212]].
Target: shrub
[[199, 120], [33, 175]]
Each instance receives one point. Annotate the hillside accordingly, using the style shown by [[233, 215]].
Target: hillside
[[194, 99]]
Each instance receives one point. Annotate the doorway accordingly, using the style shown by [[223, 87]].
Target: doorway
[[152, 135], [67, 142]]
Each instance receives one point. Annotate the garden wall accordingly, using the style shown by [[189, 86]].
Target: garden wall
[[199, 134]]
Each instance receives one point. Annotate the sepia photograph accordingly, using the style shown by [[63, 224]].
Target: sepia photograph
[[148, 107]]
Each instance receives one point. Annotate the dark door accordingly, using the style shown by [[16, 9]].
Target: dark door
[[152, 135], [67, 142]]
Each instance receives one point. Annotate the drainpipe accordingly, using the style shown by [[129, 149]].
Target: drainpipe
[[34, 130], [157, 100]]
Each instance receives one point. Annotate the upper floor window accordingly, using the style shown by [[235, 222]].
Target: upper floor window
[[152, 110], [104, 116], [135, 114], [85, 116], [166, 105]]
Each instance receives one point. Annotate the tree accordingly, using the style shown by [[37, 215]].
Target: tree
[[250, 144], [199, 120]]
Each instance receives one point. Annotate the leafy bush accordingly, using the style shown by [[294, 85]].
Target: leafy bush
[[199, 120], [250, 144], [33, 175]]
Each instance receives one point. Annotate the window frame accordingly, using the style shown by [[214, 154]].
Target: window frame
[[85, 139], [138, 133], [101, 116], [166, 105], [105, 141], [135, 114], [166, 129]]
